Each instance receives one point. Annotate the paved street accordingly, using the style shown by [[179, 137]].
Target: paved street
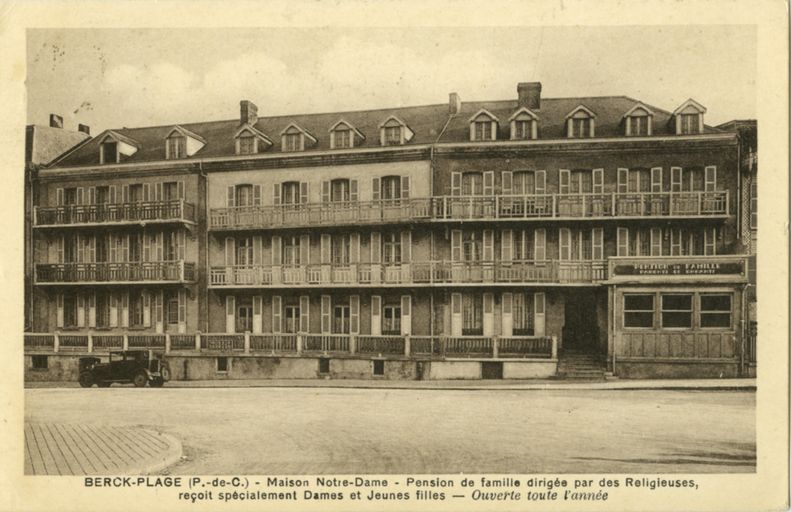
[[328, 430]]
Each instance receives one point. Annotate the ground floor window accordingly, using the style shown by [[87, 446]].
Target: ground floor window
[[523, 314], [340, 319], [638, 310], [292, 319], [136, 304], [244, 314], [102, 310], [379, 367], [715, 310], [172, 310], [391, 321], [39, 362], [222, 364], [472, 315], [324, 365], [677, 311]]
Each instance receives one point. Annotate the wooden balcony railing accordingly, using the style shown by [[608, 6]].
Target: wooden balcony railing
[[177, 271], [456, 208], [176, 210], [308, 344], [418, 273]]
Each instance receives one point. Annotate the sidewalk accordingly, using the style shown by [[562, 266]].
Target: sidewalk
[[58, 449], [488, 385]]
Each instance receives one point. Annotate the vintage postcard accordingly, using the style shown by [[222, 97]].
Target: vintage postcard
[[395, 256]]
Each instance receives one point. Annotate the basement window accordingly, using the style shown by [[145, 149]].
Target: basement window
[[379, 368], [40, 362], [222, 364], [324, 365]]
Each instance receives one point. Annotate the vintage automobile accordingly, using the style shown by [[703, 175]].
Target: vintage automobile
[[140, 367]]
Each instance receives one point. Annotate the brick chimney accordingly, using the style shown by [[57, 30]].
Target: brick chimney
[[248, 112], [529, 95], [84, 128], [55, 121], [454, 103]]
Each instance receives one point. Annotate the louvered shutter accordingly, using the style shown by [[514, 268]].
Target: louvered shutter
[[60, 246], [256, 195], [406, 315], [304, 192], [353, 190], [507, 245], [455, 314], [258, 250], [91, 195], [230, 314], [59, 197], [181, 239], [180, 189], [623, 180], [598, 181], [276, 250], [326, 314], [565, 180], [656, 179], [406, 246], [488, 183], [158, 192], [507, 187], [488, 314], [376, 188], [230, 251], [354, 257], [455, 183], [304, 313], [146, 308], [80, 311], [354, 314], [276, 190], [597, 243], [326, 248], [258, 319], [182, 328], [159, 311], [541, 182], [59, 302], [80, 198], [113, 194], [540, 244], [406, 185], [125, 194], [455, 245], [376, 315], [675, 179], [125, 309], [230, 197], [113, 309], [376, 247], [488, 245], [146, 192], [304, 249], [623, 241], [325, 192], [92, 310]]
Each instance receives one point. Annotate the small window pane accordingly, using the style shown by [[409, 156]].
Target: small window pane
[[645, 320], [677, 311], [715, 303], [638, 302], [638, 311], [676, 302], [715, 310]]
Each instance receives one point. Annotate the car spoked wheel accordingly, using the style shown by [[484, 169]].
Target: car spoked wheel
[[140, 380], [86, 380]]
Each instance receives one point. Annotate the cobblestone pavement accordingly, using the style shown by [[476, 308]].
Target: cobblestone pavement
[[84, 449], [369, 431]]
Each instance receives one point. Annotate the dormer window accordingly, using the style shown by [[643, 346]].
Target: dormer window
[[250, 141], [114, 147], [394, 132], [344, 136], [637, 121], [524, 125], [181, 143], [581, 123], [689, 118], [483, 126], [294, 138], [109, 152]]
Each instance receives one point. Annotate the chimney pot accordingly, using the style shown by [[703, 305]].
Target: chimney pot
[[55, 121], [84, 128], [529, 95], [248, 112], [454, 103]]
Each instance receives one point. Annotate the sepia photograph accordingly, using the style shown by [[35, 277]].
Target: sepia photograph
[[403, 266]]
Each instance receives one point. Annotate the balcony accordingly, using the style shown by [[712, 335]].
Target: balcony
[[115, 273], [418, 273], [458, 208], [149, 212]]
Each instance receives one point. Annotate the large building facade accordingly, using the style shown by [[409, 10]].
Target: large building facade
[[522, 238]]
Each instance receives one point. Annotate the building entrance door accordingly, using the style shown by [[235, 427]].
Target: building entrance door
[[580, 332]]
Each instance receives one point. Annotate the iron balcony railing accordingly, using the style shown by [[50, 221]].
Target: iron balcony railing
[[417, 273], [177, 271], [176, 210], [459, 208]]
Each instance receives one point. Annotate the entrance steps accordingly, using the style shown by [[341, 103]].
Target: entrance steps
[[581, 366]]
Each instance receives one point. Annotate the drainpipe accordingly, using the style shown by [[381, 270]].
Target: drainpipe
[[202, 174]]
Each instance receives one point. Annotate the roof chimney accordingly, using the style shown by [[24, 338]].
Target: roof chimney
[[84, 128], [248, 112], [55, 121], [454, 103], [529, 95]]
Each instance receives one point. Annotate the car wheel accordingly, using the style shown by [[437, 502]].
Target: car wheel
[[140, 380], [165, 374], [103, 384], [86, 380], [157, 383]]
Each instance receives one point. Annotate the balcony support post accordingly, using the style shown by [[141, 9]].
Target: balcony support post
[[197, 341], [167, 343], [495, 347], [125, 345], [352, 344], [299, 344], [56, 342], [90, 342], [246, 342], [554, 347], [407, 345]]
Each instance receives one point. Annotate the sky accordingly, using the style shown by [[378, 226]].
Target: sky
[[113, 78]]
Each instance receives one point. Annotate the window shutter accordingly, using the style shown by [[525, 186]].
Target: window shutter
[[125, 194], [258, 321], [230, 249], [92, 249], [539, 307], [623, 180], [277, 314], [112, 299], [230, 198], [656, 242], [488, 245], [376, 188], [656, 179], [376, 247], [80, 311], [711, 178], [146, 308], [623, 241], [326, 306], [455, 183], [354, 257], [326, 247], [91, 195], [182, 310], [276, 250], [59, 302], [325, 191], [230, 314], [180, 189], [406, 246], [304, 249], [304, 313], [276, 194], [181, 239], [159, 313], [376, 315], [507, 299], [158, 192], [455, 315], [455, 245], [488, 314], [488, 183], [710, 241], [565, 244], [541, 182], [80, 199], [113, 194], [60, 244], [353, 190], [540, 245], [125, 309], [507, 178], [59, 197], [80, 248], [92, 310], [675, 242], [256, 195], [507, 245], [354, 314], [258, 250], [675, 179], [598, 244], [160, 246], [406, 185], [406, 315], [304, 190], [598, 181], [565, 179]]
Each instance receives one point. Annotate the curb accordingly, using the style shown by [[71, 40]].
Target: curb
[[170, 457]]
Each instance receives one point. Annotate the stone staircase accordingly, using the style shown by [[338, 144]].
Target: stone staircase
[[581, 366]]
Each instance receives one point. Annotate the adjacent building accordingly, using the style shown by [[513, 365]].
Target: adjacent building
[[531, 237]]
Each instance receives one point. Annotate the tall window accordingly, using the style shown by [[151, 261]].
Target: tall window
[[522, 129], [472, 315], [472, 245], [523, 319], [135, 247], [246, 144], [392, 135], [102, 310], [524, 183], [677, 310], [391, 319], [291, 250], [580, 127], [109, 152], [638, 125], [244, 195], [69, 310], [136, 193], [483, 130], [343, 138], [340, 319], [172, 309], [177, 147], [69, 196], [638, 310], [290, 193], [340, 190], [391, 187], [102, 195], [244, 251], [341, 249], [689, 123], [472, 184], [136, 309], [292, 142], [244, 314], [170, 191], [292, 319], [391, 247]]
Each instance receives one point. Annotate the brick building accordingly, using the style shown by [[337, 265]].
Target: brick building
[[518, 238]]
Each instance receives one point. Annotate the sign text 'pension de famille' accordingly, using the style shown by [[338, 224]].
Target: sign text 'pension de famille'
[[678, 269]]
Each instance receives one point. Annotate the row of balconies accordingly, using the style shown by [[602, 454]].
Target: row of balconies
[[431, 347], [177, 271], [442, 208]]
